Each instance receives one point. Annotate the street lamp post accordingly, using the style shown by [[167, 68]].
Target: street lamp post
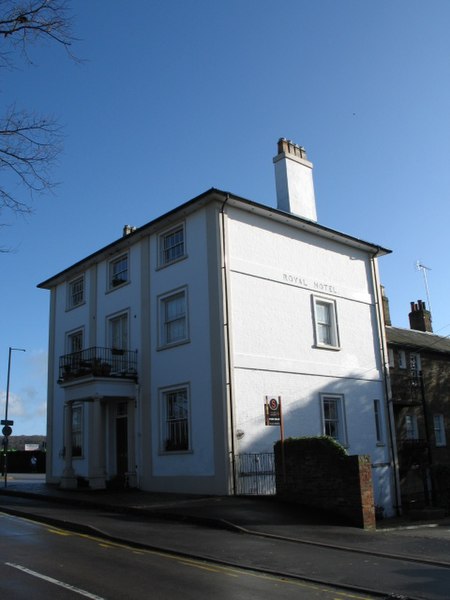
[[7, 429]]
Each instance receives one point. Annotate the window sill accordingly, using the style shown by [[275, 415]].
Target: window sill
[[173, 345], [327, 347], [113, 288], [171, 262], [69, 308]]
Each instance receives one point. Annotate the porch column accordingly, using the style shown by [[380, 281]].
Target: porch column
[[97, 470], [68, 480]]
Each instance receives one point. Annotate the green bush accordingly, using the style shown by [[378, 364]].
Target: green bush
[[318, 445]]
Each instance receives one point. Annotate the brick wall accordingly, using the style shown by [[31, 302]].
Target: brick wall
[[313, 473]]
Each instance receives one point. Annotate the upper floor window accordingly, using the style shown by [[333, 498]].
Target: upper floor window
[[391, 358], [75, 341], [118, 335], [401, 359], [325, 320], [119, 332], [173, 318], [172, 245], [414, 364], [118, 271], [333, 417], [76, 292]]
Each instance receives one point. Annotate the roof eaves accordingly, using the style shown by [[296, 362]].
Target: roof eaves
[[200, 200]]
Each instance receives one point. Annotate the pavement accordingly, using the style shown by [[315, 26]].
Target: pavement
[[425, 542]]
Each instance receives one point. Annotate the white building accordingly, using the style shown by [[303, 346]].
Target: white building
[[164, 344]]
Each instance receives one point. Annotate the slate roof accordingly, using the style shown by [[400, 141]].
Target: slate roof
[[419, 340], [215, 194]]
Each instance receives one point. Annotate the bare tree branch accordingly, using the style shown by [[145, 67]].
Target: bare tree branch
[[25, 22], [29, 146], [29, 143]]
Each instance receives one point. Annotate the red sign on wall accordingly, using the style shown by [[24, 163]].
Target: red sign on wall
[[272, 410]]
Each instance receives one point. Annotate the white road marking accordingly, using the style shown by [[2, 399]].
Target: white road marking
[[67, 586]]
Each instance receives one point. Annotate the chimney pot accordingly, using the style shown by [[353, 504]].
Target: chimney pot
[[420, 317], [127, 229]]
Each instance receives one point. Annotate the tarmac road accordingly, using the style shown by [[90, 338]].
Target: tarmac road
[[38, 561], [411, 563]]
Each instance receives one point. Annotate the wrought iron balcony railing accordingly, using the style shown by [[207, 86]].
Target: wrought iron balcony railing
[[98, 362]]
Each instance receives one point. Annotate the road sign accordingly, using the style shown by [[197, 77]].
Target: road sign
[[273, 410], [8, 422], [7, 431]]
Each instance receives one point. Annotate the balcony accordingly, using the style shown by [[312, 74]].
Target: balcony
[[98, 362]]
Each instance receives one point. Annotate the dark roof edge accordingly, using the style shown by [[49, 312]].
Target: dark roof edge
[[312, 225], [425, 340], [306, 224]]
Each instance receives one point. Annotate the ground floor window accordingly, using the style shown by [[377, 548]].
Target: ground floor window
[[439, 430], [175, 426], [333, 417], [77, 431], [378, 422]]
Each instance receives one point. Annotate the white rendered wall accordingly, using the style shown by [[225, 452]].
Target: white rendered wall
[[275, 271], [92, 316], [187, 363]]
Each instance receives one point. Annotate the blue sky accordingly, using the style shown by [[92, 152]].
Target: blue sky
[[177, 96]]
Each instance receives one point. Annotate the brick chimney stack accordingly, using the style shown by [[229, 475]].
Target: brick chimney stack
[[420, 317], [294, 180], [386, 310]]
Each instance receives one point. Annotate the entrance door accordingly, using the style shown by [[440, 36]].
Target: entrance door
[[122, 439]]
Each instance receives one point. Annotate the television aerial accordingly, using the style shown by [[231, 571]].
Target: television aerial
[[424, 269]]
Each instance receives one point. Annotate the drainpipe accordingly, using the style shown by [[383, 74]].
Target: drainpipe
[[229, 382], [387, 389]]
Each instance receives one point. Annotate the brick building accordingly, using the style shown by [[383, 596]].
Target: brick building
[[419, 362]]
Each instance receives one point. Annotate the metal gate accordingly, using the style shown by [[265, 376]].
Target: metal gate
[[255, 474]]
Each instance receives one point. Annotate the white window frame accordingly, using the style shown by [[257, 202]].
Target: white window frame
[[76, 297], [378, 417], [391, 358], [331, 323], [439, 430], [118, 341], [116, 276], [338, 422], [171, 426], [402, 359], [411, 427], [166, 321], [170, 249], [113, 342], [70, 337]]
